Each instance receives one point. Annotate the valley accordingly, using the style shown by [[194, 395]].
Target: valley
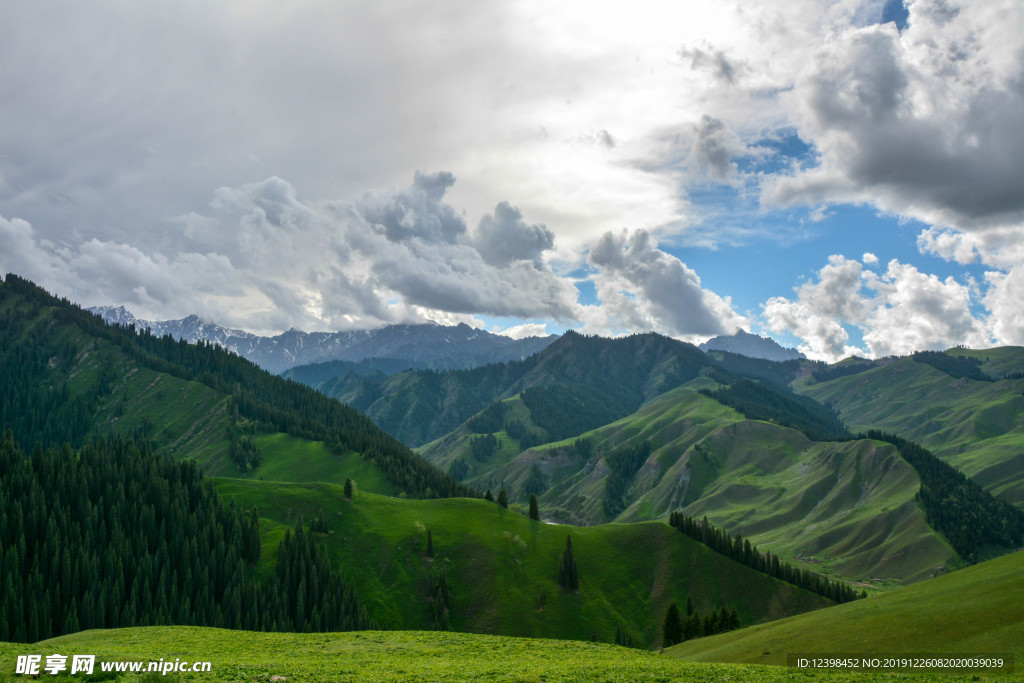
[[612, 436]]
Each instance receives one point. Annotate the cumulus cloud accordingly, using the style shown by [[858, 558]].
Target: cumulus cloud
[[1003, 299], [505, 237], [925, 123], [897, 312], [523, 331], [644, 288]]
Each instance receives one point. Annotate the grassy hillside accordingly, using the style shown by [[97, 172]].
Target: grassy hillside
[[846, 508], [68, 377], [393, 656], [611, 377], [974, 610], [976, 426], [502, 566]]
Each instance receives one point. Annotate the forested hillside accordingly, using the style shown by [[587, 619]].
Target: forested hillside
[[56, 390], [112, 535], [966, 406], [111, 521], [588, 379]]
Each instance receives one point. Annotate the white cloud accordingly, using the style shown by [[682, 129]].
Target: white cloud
[[1003, 299], [869, 259], [265, 259], [644, 288], [897, 312], [523, 331], [926, 123]]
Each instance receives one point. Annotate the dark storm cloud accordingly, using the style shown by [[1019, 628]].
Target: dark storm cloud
[[924, 128], [505, 237]]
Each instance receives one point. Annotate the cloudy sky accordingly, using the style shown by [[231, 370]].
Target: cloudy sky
[[845, 175]]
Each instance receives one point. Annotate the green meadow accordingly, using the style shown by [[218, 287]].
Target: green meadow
[[399, 656]]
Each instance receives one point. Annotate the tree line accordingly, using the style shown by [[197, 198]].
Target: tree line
[[677, 628], [740, 549], [112, 535], [967, 515], [761, 402]]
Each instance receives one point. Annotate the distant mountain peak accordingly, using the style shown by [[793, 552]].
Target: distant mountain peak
[[752, 346], [429, 345]]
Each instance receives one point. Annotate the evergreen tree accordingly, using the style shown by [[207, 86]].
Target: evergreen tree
[[430, 544], [488, 497], [349, 488], [502, 498], [672, 629], [534, 509], [568, 577]]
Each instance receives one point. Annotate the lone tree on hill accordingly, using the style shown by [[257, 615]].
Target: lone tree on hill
[[568, 578], [488, 496], [534, 509], [672, 631], [349, 488], [502, 498]]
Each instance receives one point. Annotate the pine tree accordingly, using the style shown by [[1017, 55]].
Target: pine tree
[[534, 509], [568, 577], [349, 488], [488, 497], [672, 630], [502, 498]]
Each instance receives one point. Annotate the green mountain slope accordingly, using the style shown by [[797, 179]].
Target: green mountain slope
[[847, 508], [590, 379], [67, 376], [976, 426], [974, 610], [502, 567]]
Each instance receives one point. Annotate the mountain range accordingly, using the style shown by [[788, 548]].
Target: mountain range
[[783, 477], [426, 345]]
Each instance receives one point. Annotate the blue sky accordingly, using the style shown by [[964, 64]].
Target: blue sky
[[687, 168]]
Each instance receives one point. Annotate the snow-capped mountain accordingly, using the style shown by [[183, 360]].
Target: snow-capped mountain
[[429, 344]]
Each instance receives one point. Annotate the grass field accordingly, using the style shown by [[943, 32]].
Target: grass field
[[973, 610], [502, 566], [843, 508], [395, 656], [978, 427]]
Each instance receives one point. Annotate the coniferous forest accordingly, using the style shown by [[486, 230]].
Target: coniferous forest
[[275, 404], [112, 535]]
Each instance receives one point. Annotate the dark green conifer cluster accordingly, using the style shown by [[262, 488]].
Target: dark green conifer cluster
[[490, 419], [113, 535], [482, 447], [527, 438], [967, 515], [741, 550], [758, 401], [564, 410], [623, 465], [954, 366], [677, 628], [568, 575]]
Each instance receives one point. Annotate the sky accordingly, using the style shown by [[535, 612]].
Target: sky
[[845, 176]]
